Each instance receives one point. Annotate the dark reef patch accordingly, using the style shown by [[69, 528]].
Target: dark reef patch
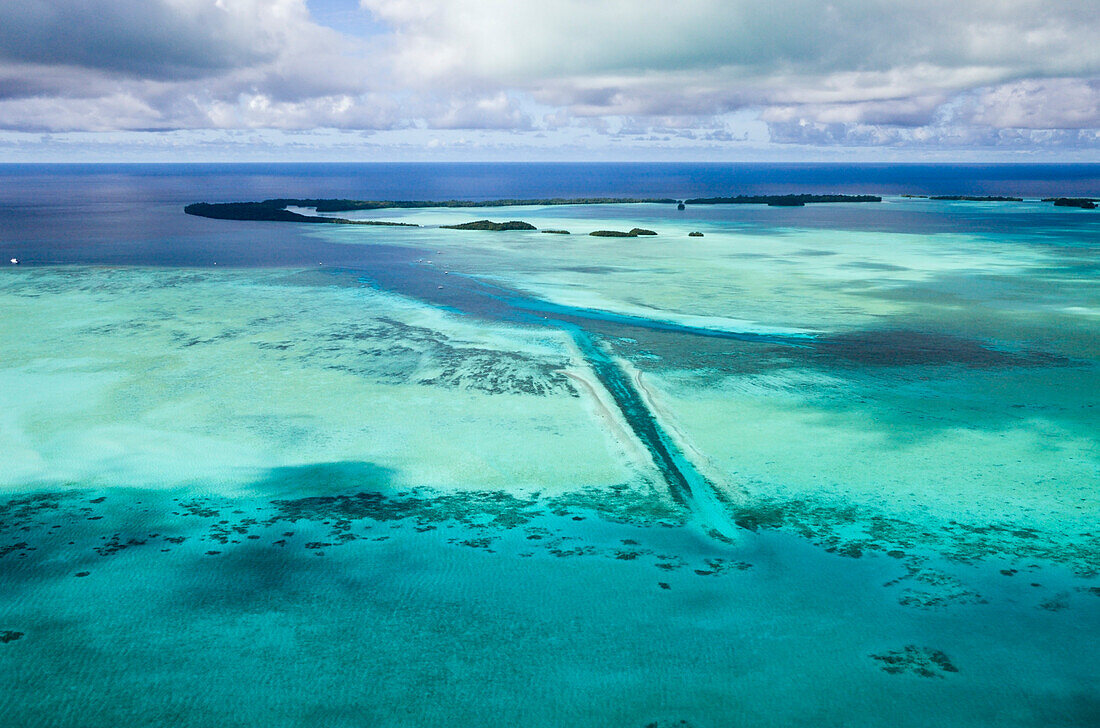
[[890, 347], [388, 350], [850, 531], [922, 661], [355, 502]]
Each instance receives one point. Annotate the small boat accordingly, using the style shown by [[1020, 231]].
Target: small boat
[[15, 261]]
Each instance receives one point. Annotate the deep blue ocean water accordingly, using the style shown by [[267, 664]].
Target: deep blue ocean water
[[471, 181]]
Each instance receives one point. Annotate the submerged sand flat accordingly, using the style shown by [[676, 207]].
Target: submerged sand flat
[[160, 378], [432, 479]]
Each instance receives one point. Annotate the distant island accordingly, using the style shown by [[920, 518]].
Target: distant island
[[974, 198], [275, 210], [267, 209], [781, 200], [264, 212], [965, 198], [1084, 203], [620, 234], [490, 225]]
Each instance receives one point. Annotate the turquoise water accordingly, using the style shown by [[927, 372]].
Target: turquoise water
[[826, 469]]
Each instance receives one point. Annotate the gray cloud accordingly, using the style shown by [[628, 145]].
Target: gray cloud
[[161, 39], [997, 73]]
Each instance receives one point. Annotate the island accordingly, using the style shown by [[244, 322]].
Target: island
[[695, 234], [490, 225], [556, 232], [972, 198], [275, 209], [263, 212], [632, 233], [781, 200], [1084, 203]]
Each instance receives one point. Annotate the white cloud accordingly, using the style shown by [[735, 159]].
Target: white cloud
[[842, 72], [1059, 103]]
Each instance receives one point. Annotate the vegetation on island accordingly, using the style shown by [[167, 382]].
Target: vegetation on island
[[264, 212], [1084, 203], [632, 233], [274, 210], [490, 225], [612, 234], [695, 234], [330, 205], [781, 200], [975, 198], [556, 232]]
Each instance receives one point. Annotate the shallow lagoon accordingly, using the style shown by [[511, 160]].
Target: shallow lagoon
[[478, 535]]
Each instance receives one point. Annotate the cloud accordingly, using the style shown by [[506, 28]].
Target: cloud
[[844, 72], [861, 72], [738, 41], [1059, 103], [144, 38], [498, 111]]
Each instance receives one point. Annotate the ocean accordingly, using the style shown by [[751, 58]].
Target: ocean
[[832, 465]]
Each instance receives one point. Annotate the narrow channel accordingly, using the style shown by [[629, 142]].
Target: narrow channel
[[468, 295]]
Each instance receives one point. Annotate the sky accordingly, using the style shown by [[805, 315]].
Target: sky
[[549, 80]]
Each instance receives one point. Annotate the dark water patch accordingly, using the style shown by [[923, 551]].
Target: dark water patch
[[856, 350], [334, 477], [872, 265], [594, 269], [892, 347]]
